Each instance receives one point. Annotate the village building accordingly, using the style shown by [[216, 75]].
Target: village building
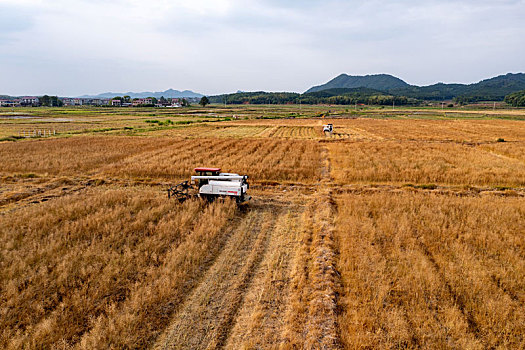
[[142, 101], [29, 100], [7, 103]]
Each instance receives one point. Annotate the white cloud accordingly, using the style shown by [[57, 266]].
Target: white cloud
[[77, 46]]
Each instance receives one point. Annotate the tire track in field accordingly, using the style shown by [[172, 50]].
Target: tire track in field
[[41, 194], [502, 156], [457, 299], [207, 316], [262, 314]]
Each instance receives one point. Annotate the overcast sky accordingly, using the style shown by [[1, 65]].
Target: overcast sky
[[75, 47]]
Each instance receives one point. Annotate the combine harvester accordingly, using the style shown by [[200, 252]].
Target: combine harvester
[[212, 184], [329, 128]]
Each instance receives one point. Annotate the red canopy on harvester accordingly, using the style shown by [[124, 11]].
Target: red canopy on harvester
[[213, 170]]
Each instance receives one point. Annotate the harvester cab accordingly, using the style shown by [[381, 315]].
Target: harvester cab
[[211, 184], [204, 173]]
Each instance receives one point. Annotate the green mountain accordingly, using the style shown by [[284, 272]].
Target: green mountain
[[496, 88], [490, 89], [339, 96], [360, 91], [382, 82]]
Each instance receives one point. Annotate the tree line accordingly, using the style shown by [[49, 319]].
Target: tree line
[[321, 97], [516, 99]]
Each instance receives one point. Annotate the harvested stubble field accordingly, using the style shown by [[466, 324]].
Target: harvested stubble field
[[243, 130], [165, 159], [392, 233]]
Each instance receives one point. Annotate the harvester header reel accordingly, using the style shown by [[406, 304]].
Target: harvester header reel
[[180, 191], [211, 184]]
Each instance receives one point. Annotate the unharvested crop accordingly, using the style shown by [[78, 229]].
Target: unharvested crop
[[422, 162], [431, 130], [431, 271], [71, 156], [105, 268]]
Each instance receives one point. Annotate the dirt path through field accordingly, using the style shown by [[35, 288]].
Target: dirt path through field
[[261, 316], [208, 315]]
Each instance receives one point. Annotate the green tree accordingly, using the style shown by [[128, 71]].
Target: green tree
[[45, 100], [516, 99], [185, 103], [204, 101]]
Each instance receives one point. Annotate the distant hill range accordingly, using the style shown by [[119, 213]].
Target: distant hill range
[[170, 93], [381, 82], [490, 89]]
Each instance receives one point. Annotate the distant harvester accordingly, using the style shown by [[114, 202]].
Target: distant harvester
[[328, 128]]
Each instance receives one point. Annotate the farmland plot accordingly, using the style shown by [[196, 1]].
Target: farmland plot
[[273, 283], [294, 132], [212, 130], [431, 271], [163, 158], [72, 267], [334, 250], [423, 163], [437, 130], [71, 156], [262, 159]]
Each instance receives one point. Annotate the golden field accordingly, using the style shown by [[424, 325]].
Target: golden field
[[419, 162], [401, 230], [431, 271]]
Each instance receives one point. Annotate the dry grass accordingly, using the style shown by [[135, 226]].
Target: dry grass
[[244, 129], [431, 271], [163, 158], [386, 267], [212, 130], [101, 269], [309, 321], [262, 159], [71, 156], [423, 163], [432, 130]]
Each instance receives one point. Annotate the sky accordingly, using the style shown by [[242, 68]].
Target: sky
[[77, 47]]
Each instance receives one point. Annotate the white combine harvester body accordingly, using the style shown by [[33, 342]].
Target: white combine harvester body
[[211, 183], [224, 184]]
